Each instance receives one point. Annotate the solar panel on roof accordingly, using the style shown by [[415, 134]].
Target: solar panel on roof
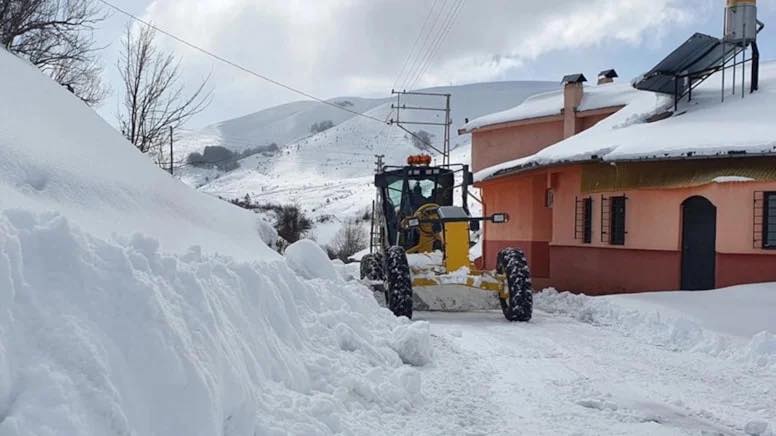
[[696, 58]]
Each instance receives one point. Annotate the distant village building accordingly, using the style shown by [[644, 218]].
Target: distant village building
[[610, 190]]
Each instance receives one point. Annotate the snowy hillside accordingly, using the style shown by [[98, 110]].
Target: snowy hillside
[[330, 174], [280, 125], [131, 304]]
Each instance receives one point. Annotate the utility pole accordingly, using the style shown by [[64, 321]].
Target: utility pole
[[445, 151], [171, 155], [375, 232]]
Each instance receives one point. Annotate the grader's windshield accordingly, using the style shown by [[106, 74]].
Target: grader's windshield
[[405, 190]]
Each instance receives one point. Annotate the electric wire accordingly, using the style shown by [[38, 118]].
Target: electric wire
[[234, 64], [425, 47], [414, 66], [414, 50], [451, 19]]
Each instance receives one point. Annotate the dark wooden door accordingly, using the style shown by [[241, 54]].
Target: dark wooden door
[[699, 244]]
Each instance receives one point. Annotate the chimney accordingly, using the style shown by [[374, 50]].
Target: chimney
[[607, 76], [573, 91]]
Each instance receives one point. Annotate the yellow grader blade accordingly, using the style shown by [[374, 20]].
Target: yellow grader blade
[[463, 290]]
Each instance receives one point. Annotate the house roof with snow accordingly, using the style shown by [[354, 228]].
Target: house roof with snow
[[702, 128], [551, 103]]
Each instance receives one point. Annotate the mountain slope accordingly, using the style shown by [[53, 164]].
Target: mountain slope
[[330, 174], [280, 125]]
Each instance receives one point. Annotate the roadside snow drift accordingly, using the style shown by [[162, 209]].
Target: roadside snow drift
[[734, 323], [132, 305]]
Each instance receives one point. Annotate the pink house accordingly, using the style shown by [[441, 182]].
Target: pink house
[[610, 189]]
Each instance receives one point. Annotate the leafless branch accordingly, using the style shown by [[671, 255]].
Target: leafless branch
[[57, 37], [154, 99]]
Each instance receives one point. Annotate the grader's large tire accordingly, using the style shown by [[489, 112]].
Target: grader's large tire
[[398, 285], [513, 264], [372, 267]]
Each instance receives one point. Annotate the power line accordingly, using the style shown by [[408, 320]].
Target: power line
[[278, 83], [425, 46], [234, 64], [435, 46], [412, 53]]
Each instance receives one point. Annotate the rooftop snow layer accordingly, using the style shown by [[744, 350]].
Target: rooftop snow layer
[[551, 103], [703, 127]]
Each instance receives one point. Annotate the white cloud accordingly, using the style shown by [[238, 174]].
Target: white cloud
[[336, 47]]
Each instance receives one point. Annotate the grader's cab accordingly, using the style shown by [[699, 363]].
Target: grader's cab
[[419, 251]]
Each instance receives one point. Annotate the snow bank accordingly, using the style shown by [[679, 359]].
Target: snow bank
[[309, 260], [57, 154], [131, 304], [117, 337], [413, 343], [703, 127], [683, 321]]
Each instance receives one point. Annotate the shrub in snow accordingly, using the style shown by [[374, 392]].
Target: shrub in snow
[[321, 126], [292, 223], [309, 260], [349, 240], [215, 156], [422, 140]]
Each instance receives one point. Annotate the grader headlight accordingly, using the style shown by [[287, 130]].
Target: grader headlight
[[499, 218]]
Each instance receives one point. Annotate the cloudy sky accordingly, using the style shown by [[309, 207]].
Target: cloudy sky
[[332, 48]]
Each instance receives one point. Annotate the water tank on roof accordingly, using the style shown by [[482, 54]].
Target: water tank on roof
[[741, 21]]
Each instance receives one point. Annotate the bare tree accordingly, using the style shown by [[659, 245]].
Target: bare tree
[[422, 139], [349, 240], [57, 37], [154, 98]]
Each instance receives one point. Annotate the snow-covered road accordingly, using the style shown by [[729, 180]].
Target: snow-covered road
[[559, 375]]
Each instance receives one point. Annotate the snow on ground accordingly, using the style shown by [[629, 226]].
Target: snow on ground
[[130, 304], [702, 127], [650, 364]]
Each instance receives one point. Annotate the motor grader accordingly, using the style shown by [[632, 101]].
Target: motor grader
[[420, 243]]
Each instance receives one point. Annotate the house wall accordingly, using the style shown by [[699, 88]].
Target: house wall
[[530, 225], [494, 146], [650, 260], [498, 144]]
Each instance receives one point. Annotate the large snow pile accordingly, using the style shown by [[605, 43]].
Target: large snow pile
[[735, 323], [702, 127], [130, 304]]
